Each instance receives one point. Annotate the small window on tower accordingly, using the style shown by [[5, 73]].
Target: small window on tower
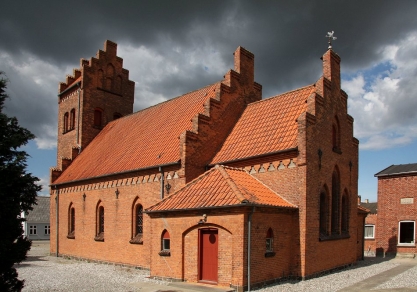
[[116, 116], [66, 123], [98, 117], [72, 120]]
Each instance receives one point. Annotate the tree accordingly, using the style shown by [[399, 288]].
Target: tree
[[18, 191]]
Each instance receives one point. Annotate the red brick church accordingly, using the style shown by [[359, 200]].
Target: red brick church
[[214, 186]]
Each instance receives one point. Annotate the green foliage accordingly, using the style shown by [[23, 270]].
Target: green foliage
[[18, 191]]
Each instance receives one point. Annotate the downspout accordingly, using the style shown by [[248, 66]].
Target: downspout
[[363, 238], [56, 219], [249, 243], [162, 182]]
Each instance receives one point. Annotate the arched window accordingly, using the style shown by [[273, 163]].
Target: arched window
[[335, 201], [165, 244], [101, 219], [99, 223], [345, 213], [98, 117], [72, 119], [166, 240], [269, 240], [336, 135], [71, 222], [116, 116], [100, 78], [109, 77], [139, 219], [118, 84], [269, 248], [324, 212], [66, 121]]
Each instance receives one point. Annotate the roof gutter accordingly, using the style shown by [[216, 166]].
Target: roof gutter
[[117, 173], [255, 156], [220, 207]]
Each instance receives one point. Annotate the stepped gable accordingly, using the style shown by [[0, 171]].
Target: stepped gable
[[266, 126], [144, 139], [221, 186]]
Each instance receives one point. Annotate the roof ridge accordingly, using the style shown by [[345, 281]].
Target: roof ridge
[[231, 183], [174, 98], [187, 185], [281, 94]]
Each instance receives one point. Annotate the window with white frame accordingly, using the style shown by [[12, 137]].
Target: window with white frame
[[406, 232], [47, 229], [32, 229], [369, 231]]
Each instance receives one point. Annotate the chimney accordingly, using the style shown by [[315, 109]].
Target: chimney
[[359, 200], [367, 201]]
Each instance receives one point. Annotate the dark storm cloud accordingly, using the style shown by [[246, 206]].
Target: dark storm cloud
[[287, 38]]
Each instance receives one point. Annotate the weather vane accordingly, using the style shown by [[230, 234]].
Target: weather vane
[[331, 38]]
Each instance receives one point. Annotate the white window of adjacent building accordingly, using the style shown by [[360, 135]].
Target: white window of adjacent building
[[32, 229], [47, 229], [406, 232], [369, 231]]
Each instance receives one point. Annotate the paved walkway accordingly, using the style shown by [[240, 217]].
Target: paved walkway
[[388, 275], [370, 284]]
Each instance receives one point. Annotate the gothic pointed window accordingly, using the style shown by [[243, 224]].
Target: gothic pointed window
[[345, 213], [335, 202], [99, 223], [137, 237], [98, 117], [72, 119], [71, 222], [324, 212], [66, 123], [165, 244], [269, 243], [336, 136]]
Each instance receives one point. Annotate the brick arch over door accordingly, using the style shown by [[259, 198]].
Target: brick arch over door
[[190, 246]]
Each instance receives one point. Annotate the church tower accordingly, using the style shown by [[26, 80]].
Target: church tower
[[97, 93]]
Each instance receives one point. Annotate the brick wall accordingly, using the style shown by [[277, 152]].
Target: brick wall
[[390, 212], [143, 188]]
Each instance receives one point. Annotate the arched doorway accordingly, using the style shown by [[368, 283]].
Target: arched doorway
[[208, 243]]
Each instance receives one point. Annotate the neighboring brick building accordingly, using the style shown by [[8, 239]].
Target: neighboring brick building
[[216, 185], [370, 227], [397, 210]]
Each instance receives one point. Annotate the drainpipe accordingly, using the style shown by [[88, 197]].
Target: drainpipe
[[162, 182], [78, 113], [56, 219], [249, 243]]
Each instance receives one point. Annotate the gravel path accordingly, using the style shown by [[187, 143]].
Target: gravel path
[[48, 273]]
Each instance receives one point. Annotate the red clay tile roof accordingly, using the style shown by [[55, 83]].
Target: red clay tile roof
[[144, 139], [266, 126], [221, 187]]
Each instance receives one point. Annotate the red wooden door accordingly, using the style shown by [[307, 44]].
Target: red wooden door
[[208, 259]]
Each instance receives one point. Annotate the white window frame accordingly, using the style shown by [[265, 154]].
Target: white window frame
[[373, 231], [269, 244], [32, 230], [166, 244], [414, 233], [47, 229]]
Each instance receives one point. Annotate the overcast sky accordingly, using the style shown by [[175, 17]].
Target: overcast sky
[[173, 47]]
